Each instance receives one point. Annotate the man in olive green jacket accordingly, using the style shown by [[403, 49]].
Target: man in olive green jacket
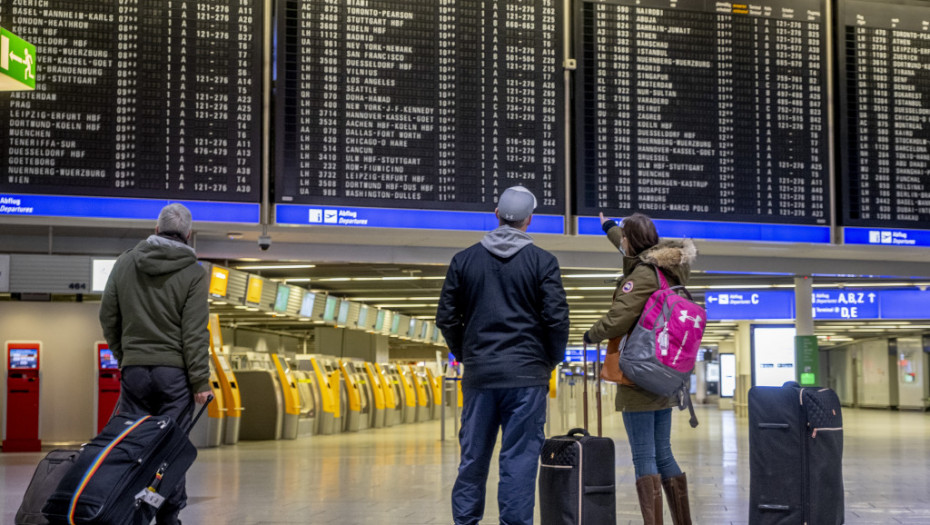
[[154, 315]]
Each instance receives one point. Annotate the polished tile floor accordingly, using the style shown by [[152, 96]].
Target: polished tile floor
[[404, 475]]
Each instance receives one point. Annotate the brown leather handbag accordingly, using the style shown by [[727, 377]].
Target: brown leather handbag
[[611, 369]]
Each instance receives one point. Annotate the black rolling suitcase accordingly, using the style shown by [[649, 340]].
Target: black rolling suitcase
[[45, 479], [795, 456], [124, 474], [577, 476]]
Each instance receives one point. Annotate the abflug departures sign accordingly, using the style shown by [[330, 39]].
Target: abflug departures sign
[[150, 100], [703, 110], [884, 109], [430, 104]]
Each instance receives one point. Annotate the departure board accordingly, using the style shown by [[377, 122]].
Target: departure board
[[426, 104], [157, 99], [884, 97], [702, 110]]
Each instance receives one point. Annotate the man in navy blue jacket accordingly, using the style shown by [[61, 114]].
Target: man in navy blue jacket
[[504, 315]]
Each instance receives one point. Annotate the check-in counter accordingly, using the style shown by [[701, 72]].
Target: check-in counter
[[291, 397], [229, 387], [262, 395], [208, 432], [263, 416], [357, 415], [309, 401], [434, 382], [329, 418], [410, 393], [422, 394], [375, 381], [393, 395]]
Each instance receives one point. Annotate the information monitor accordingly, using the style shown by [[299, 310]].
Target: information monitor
[[702, 111], [135, 99], [425, 105], [884, 115]]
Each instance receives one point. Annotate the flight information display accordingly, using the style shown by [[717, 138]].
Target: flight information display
[[426, 104], [885, 114], [701, 110], [152, 99]]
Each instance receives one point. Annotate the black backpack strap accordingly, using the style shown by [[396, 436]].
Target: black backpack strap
[[684, 399]]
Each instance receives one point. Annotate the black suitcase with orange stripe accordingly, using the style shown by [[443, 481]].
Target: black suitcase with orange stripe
[[124, 474]]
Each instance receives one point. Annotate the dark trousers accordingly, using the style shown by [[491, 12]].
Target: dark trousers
[[159, 391], [520, 413]]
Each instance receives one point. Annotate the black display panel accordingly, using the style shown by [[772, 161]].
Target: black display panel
[[427, 104], [702, 110], [136, 98], [884, 113]]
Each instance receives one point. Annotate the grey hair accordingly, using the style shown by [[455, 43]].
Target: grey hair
[[175, 218], [515, 224]]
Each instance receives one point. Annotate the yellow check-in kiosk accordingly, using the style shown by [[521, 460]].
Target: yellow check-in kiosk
[[208, 432], [357, 416], [229, 388], [291, 397], [377, 393], [393, 396], [329, 418], [424, 412], [434, 383], [410, 394], [309, 401]]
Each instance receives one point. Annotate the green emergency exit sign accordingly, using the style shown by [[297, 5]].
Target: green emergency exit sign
[[17, 63]]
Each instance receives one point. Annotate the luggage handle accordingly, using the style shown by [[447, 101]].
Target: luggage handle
[[597, 374], [777, 426], [199, 413], [576, 431]]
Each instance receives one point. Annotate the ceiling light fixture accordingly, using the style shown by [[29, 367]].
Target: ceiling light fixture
[[275, 267]]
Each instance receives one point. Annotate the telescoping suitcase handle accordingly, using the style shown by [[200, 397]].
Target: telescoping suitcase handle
[[199, 413], [597, 395]]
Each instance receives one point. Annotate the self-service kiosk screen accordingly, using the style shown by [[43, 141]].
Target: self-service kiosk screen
[[329, 314], [107, 360], [379, 321], [24, 358], [282, 297], [306, 307], [343, 312], [362, 316]]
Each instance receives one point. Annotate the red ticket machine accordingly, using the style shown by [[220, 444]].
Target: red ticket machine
[[108, 380], [22, 397]]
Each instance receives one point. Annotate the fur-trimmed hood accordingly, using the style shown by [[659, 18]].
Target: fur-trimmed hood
[[674, 256]]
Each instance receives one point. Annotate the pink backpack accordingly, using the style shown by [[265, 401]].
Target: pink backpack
[[659, 353]]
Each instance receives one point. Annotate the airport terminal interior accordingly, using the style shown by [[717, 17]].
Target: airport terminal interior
[[336, 154]]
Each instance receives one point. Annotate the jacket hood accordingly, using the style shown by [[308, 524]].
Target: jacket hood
[[158, 256], [674, 256], [506, 241]]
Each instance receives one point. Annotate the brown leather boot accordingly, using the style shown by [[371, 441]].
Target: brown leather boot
[[649, 490], [676, 490]]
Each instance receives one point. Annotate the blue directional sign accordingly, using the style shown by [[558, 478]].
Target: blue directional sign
[[750, 304], [303, 215], [724, 231], [904, 304], [845, 304], [123, 208], [886, 237], [862, 303]]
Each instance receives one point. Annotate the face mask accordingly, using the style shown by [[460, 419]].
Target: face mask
[[622, 251]]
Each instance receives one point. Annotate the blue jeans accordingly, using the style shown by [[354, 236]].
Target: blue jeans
[[521, 415], [649, 434]]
